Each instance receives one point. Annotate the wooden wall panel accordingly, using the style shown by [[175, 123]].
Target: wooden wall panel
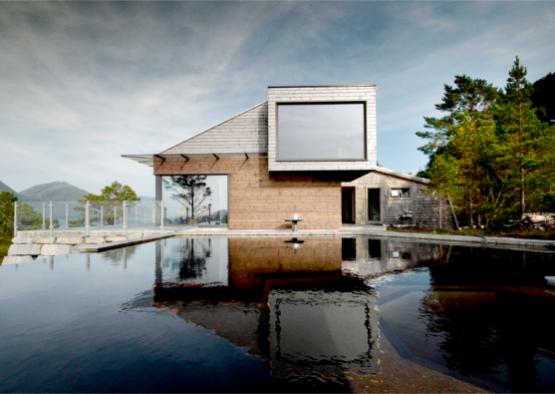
[[258, 200]]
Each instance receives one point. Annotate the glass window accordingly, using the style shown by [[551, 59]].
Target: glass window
[[327, 131], [193, 199], [400, 192]]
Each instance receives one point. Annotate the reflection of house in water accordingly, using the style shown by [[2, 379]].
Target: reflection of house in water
[[374, 257], [288, 302], [192, 262], [326, 328]]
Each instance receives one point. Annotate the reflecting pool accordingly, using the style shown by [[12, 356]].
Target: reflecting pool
[[272, 314]]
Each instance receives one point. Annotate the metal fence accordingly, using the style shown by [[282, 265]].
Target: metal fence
[[65, 215]]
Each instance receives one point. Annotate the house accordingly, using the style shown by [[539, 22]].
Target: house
[[306, 150]]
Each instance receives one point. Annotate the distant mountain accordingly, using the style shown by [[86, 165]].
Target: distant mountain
[[54, 191], [6, 188]]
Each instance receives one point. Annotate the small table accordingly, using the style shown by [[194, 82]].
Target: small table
[[294, 222]]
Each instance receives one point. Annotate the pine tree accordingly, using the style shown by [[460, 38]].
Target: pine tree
[[468, 95], [520, 133]]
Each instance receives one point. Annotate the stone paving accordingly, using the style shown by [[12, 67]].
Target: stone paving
[[28, 245]]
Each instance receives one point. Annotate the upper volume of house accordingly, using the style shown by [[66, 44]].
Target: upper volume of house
[[321, 128], [300, 128]]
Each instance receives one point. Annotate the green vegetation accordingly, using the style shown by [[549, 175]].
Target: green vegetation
[[28, 218], [110, 197], [490, 153], [113, 192], [7, 200]]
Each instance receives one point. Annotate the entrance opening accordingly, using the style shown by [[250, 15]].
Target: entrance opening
[[374, 213], [348, 205]]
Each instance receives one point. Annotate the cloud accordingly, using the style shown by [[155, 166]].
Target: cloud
[[82, 83]]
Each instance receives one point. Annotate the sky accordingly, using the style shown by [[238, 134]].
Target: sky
[[82, 83]]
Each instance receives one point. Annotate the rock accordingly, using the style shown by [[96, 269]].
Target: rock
[[24, 249], [70, 240], [20, 239], [54, 250], [94, 240], [116, 238], [135, 235], [44, 240]]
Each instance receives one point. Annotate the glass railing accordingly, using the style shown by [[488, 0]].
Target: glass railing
[[121, 215]]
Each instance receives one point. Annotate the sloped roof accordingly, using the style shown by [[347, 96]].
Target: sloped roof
[[246, 132], [401, 175]]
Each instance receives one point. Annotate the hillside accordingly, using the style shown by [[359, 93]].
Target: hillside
[[54, 191], [6, 188]]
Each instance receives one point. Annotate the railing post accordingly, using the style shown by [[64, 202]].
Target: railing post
[[154, 214], [101, 215], [124, 207], [87, 217], [15, 219], [162, 215], [136, 214], [67, 215], [51, 212], [115, 214], [44, 216]]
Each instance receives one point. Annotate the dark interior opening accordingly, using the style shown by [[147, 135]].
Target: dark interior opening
[[348, 205], [374, 214]]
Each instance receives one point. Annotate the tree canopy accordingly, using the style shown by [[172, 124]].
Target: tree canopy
[[113, 192], [490, 152]]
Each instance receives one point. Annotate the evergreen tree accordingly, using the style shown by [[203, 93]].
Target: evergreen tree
[[468, 95], [490, 153], [520, 134]]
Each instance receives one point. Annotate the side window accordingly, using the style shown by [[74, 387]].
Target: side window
[[400, 192]]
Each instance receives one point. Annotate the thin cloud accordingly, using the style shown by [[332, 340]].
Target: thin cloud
[[81, 83]]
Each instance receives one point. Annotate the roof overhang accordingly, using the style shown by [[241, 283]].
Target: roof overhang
[[400, 175], [146, 159]]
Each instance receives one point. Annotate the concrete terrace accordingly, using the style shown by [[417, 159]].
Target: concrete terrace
[[30, 244]]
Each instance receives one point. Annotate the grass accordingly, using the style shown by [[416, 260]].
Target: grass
[[525, 233]]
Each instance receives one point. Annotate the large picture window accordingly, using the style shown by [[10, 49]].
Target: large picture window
[[321, 132], [195, 199]]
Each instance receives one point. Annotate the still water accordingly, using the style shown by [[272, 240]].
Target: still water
[[266, 314]]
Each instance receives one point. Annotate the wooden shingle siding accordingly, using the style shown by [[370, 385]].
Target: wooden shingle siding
[[259, 200], [246, 132], [365, 94], [427, 210]]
